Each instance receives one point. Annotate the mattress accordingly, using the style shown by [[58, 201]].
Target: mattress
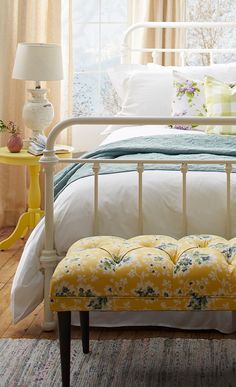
[[118, 215]]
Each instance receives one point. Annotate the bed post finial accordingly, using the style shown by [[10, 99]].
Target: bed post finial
[[48, 258]]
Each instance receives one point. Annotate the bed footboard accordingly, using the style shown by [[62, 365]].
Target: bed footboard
[[49, 258]]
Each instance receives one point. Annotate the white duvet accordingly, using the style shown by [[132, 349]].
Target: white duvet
[[118, 216]]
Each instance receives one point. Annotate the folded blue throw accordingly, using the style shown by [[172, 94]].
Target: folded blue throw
[[163, 147]]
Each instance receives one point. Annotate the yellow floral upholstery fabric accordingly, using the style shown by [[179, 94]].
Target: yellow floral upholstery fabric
[[148, 272]]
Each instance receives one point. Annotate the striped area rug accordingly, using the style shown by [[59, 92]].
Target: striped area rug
[[121, 363]]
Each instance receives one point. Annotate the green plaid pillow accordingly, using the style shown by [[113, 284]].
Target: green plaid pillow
[[220, 101]]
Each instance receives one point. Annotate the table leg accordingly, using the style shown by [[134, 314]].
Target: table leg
[[34, 196], [29, 219], [22, 224], [24, 233]]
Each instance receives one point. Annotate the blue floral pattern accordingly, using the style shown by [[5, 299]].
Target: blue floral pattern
[[148, 272]]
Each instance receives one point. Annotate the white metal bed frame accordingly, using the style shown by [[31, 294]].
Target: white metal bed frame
[[49, 258], [127, 49]]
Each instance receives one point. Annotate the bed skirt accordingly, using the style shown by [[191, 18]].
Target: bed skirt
[[224, 322]]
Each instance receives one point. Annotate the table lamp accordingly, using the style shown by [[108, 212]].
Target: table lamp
[[38, 62]]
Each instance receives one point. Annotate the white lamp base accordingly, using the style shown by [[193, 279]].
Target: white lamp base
[[38, 112]]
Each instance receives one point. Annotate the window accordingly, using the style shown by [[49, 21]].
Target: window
[[210, 10], [97, 29], [98, 26]]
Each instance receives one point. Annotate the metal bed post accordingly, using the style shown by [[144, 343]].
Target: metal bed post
[[48, 257], [140, 170], [184, 170], [228, 170], [96, 169]]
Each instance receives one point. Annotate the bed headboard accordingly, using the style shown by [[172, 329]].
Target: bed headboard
[[127, 49]]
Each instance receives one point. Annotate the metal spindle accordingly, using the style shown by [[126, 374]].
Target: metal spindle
[[182, 58], [211, 58], [155, 57], [228, 170], [96, 169], [184, 170], [140, 169]]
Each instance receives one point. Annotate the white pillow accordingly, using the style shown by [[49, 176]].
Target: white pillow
[[226, 71], [120, 74], [149, 93], [146, 94]]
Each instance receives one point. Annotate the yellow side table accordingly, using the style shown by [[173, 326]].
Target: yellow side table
[[29, 219]]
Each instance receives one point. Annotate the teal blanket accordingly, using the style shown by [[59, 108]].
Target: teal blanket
[[162, 147]]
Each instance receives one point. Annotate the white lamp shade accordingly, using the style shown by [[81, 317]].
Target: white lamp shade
[[38, 62]]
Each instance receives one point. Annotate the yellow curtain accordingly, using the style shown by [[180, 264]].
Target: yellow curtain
[[22, 21], [157, 10]]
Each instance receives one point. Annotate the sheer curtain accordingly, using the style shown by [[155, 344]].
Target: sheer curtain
[[157, 10], [29, 21]]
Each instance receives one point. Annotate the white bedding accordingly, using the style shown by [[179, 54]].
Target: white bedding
[[118, 208]]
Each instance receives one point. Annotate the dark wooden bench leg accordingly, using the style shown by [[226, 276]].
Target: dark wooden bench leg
[[64, 326], [84, 323]]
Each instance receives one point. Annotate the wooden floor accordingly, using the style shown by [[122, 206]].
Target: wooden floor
[[30, 327]]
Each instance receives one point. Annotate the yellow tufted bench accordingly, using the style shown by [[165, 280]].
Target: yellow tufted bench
[[148, 272]]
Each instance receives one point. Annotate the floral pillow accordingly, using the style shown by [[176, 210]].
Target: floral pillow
[[188, 99]]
